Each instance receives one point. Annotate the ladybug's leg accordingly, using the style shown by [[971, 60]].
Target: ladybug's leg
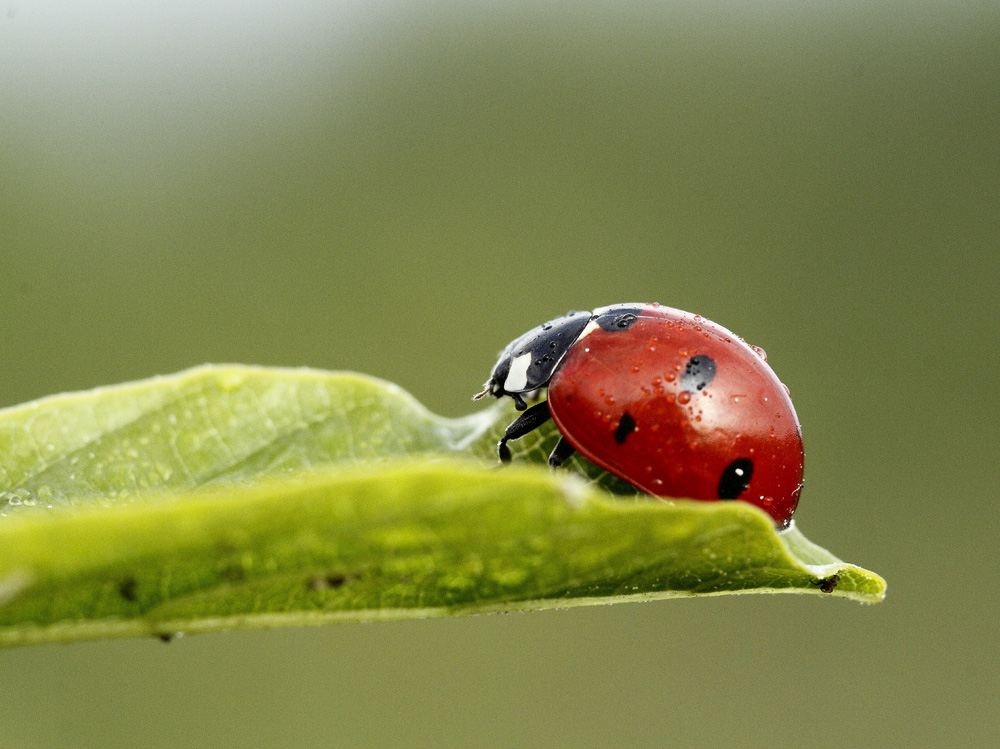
[[561, 452], [527, 422]]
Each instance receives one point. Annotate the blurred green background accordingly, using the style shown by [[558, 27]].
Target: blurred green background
[[401, 188]]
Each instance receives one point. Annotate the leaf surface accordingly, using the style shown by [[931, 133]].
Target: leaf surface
[[230, 496]]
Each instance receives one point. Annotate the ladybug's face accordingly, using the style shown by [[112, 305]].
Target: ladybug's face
[[528, 362]]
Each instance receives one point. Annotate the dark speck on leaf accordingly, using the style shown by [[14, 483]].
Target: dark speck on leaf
[[827, 584], [129, 589], [233, 573], [327, 582]]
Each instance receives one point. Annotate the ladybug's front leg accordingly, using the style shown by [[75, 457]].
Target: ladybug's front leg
[[527, 422]]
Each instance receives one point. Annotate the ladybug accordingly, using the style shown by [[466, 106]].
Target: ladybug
[[670, 402]]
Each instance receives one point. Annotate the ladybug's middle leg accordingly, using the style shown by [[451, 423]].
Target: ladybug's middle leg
[[527, 422], [561, 452]]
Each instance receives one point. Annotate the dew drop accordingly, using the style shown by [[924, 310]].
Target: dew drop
[[684, 397]]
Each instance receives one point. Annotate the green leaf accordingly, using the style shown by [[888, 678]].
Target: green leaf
[[228, 497]]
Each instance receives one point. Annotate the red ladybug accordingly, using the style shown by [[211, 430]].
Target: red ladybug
[[668, 401]]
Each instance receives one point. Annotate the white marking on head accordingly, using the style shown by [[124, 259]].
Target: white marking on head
[[591, 327], [517, 377]]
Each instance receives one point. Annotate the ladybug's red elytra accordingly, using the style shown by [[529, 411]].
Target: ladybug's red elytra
[[670, 402]]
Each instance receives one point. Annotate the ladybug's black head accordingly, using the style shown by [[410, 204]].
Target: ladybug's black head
[[617, 317], [528, 362]]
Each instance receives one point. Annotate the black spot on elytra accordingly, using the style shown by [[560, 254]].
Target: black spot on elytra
[[736, 478], [699, 373], [129, 589], [626, 425]]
